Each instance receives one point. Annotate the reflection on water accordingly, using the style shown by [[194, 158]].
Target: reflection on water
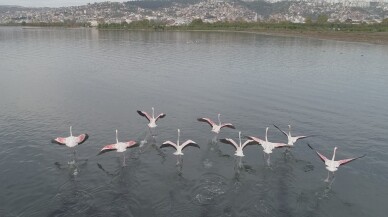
[[96, 81]]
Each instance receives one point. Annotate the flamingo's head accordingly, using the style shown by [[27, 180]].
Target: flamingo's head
[[335, 148]]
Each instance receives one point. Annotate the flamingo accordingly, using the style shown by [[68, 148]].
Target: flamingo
[[71, 141], [239, 147], [152, 120], [179, 147], [332, 165], [216, 127], [291, 139], [119, 147], [267, 146]]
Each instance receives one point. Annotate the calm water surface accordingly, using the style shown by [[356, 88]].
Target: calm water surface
[[96, 80]]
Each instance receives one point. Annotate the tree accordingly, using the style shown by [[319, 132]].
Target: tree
[[322, 19], [308, 20], [196, 22]]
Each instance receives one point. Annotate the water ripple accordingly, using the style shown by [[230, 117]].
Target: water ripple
[[209, 189]]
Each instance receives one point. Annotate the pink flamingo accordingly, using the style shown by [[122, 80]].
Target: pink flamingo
[[332, 165], [267, 146], [291, 139], [177, 145], [152, 120], [216, 127], [239, 147], [119, 147], [71, 141]]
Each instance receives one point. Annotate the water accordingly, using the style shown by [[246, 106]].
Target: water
[[96, 80]]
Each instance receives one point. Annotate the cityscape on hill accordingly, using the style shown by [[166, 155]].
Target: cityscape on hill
[[182, 12]]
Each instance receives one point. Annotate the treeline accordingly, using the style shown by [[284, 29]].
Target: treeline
[[320, 24]]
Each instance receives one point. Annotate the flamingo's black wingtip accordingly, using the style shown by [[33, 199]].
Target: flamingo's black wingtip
[[195, 145], [56, 142], [223, 140]]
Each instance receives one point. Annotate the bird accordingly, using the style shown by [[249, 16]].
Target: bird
[[216, 127], [239, 147], [119, 147], [71, 141], [177, 145], [291, 139], [332, 165], [152, 120], [267, 146]]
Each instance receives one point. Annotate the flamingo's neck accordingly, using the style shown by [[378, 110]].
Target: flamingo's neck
[[219, 120], [153, 114], [335, 149], [266, 132], [71, 134], [117, 140], [179, 133], [239, 137], [289, 130]]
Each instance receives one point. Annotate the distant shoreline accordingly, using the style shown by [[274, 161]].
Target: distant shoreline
[[361, 37]]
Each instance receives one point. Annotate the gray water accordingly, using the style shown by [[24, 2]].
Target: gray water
[[96, 80]]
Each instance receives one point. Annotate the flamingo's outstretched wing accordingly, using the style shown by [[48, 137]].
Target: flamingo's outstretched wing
[[256, 139], [189, 143], [107, 148], [280, 130], [59, 141], [323, 158], [82, 138], [207, 120], [345, 161], [229, 141], [162, 115], [168, 143], [229, 125], [303, 137], [144, 114], [248, 142], [131, 144], [280, 145]]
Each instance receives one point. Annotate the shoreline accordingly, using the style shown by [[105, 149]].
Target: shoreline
[[377, 38]]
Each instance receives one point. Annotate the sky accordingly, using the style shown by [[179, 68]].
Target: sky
[[50, 3]]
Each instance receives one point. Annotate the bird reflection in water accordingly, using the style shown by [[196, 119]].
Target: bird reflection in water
[[179, 164], [74, 166]]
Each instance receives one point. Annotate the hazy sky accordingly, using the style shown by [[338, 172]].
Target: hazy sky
[[50, 3]]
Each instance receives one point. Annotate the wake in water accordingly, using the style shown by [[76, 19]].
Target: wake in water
[[73, 165]]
